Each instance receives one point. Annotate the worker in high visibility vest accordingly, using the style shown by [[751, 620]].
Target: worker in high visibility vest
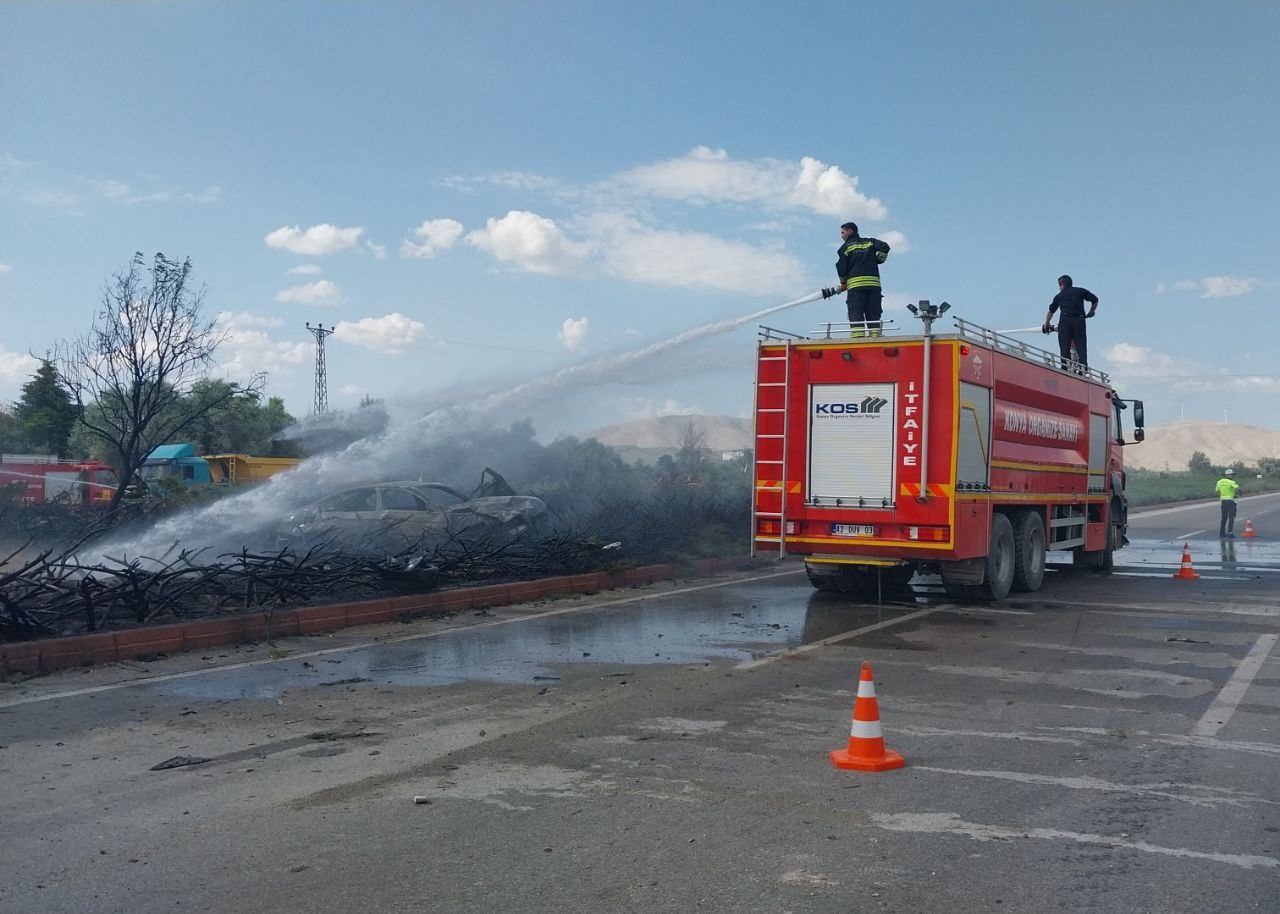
[[858, 266], [1228, 489]]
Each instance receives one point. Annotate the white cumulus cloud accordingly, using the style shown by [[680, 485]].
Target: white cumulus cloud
[[532, 242], [710, 176], [5, 268], [248, 350], [573, 333], [639, 253], [432, 237], [314, 241], [306, 269], [1127, 361], [391, 334], [245, 319], [1215, 286], [320, 292]]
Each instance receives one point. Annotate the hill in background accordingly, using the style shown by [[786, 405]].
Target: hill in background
[[645, 440], [1168, 447]]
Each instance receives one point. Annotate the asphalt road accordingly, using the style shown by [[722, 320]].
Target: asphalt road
[[1107, 744]]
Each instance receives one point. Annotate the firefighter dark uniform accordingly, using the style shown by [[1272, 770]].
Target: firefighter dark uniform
[[1069, 303], [858, 266]]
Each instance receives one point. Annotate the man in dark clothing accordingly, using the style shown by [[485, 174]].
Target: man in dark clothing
[[1069, 303], [858, 266]]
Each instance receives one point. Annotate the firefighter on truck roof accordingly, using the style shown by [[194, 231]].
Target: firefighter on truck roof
[[858, 262]]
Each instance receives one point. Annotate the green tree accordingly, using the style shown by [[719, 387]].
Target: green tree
[[1199, 463], [12, 439], [240, 424], [46, 411]]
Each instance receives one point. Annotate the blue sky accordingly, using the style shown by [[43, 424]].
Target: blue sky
[[476, 194]]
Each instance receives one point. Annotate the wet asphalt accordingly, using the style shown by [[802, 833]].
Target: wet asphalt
[[1108, 743]]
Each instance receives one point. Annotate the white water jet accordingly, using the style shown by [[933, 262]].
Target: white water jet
[[231, 522]]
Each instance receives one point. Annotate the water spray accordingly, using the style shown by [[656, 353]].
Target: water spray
[[226, 523]]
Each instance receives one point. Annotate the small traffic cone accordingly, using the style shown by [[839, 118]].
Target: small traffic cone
[[1186, 572], [1248, 528], [866, 751]]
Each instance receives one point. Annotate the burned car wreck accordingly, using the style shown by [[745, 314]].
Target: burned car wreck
[[394, 518]]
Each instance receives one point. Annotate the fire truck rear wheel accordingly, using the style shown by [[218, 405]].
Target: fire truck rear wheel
[[998, 576], [1029, 551]]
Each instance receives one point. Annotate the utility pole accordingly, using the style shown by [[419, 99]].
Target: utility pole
[[322, 378]]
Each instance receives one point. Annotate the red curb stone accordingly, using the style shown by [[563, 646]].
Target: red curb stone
[[21, 657], [490, 594], [312, 619], [257, 626], [282, 623], [52, 654], [213, 632], [138, 642], [77, 650], [370, 613], [524, 591]]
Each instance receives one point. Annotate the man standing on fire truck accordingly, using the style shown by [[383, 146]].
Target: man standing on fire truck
[[1070, 299], [858, 266]]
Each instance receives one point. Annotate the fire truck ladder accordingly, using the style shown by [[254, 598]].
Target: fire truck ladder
[[772, 401]]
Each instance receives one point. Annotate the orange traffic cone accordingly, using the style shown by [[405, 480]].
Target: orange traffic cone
[[1186, 572], [866, 751], [1248, 527]]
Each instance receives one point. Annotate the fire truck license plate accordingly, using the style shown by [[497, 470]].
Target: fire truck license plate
[[852, 530]]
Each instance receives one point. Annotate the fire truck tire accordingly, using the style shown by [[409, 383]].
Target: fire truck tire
[[823, 578], [1029, 552], [998, 573]]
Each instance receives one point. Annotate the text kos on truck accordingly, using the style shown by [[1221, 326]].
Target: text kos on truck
[[968, 453]]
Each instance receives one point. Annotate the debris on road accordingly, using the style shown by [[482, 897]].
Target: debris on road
[[179, 761]]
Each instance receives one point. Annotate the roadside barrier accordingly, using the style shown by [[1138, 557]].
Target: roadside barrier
[[866, 751], [1185, 572], [1248, 528]]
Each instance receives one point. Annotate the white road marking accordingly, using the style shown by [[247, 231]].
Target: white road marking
[[814, 645], [188, 674], [1187, 536], [1193, 794], [950, 823], [1213, 744], [1232, 693], [1015, 735]]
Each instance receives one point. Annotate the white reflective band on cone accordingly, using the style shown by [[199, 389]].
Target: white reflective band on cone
[[866, 688], [866, 729]]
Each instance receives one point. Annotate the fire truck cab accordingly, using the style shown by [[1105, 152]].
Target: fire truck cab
[[967, 453]]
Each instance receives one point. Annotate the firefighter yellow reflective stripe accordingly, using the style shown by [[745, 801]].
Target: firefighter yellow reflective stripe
[[857, 246], [861, 282], [881, 256]]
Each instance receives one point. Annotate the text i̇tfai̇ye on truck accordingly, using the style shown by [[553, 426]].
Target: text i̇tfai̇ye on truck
[[969, 454]]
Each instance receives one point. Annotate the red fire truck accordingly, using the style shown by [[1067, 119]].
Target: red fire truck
[[969, 454], [36, 479]]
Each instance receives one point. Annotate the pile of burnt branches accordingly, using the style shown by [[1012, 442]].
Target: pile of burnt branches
[[48, 591]]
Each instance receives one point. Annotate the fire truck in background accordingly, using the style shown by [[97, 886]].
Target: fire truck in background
[[969, 454], [37, 479]]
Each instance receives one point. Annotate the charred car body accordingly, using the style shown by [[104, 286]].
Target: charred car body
[[391, 518]]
